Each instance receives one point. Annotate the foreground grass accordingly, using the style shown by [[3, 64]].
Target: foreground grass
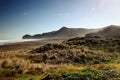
[[95, 72], [110, 71], [75, 59]]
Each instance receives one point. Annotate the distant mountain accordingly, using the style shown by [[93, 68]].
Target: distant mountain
[[63, 33], [109, 31]]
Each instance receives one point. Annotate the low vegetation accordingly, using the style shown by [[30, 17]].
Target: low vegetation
[[86, 58], [85, 74], [97, 43]]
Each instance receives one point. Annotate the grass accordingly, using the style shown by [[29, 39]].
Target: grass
[[75, 59], [84, 74]]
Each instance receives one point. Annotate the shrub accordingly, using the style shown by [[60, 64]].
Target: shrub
[[48, 47]]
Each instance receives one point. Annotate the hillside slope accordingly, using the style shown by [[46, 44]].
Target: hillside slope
[[109, 31], [63, 33]]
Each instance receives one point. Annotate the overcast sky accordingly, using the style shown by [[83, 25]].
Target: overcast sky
[[19, 17]]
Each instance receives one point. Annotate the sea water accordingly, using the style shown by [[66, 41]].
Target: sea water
[[3, 42]]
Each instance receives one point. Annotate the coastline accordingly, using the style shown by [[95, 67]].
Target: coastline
[[14, 45], [5, 42], [25, 44]]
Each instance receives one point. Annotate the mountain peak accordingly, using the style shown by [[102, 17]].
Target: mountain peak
[[63, 28], [63, 33], [109, 31], [113, 26]]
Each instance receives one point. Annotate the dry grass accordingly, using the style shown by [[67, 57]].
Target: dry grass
[[74, 55]]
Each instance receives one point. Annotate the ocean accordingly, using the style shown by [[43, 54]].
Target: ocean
[[3, 42]]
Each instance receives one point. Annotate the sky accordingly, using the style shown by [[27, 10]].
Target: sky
[[20, 17]]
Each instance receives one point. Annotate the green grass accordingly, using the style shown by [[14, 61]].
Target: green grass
[[85, 74]]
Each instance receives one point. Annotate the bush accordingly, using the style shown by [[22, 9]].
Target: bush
[[48, 47]]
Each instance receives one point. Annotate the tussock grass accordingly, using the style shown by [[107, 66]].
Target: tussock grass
[[75, 59]]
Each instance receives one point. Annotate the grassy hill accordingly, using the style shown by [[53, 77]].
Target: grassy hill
[[85, 58], [79, 50]]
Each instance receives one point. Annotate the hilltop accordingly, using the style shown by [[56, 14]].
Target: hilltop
[[109, 31], [62, 33], [67, 33]]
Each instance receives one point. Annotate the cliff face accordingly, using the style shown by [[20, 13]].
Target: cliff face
[[63, 33]]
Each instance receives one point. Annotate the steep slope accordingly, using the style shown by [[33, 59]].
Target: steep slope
[[109, 31], [63, 33]]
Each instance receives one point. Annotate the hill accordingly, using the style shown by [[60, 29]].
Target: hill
[[81, 58], [85, 51], [79, 50], [63, 33], [109, 31]]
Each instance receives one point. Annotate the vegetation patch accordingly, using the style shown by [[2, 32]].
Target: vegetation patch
[[85, 74], [86, 58]]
